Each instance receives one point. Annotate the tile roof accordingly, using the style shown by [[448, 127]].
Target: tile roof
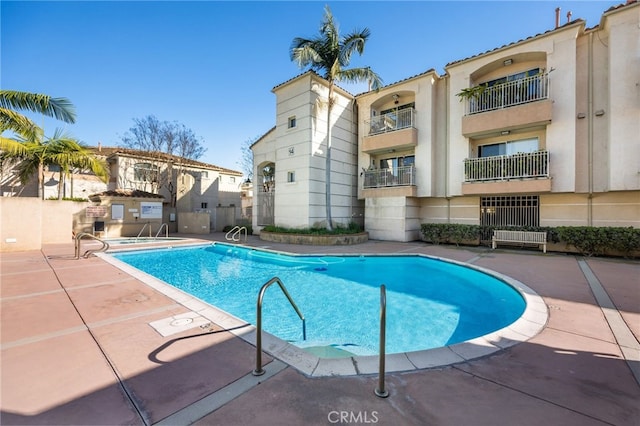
[[112, 151], [131, 193]]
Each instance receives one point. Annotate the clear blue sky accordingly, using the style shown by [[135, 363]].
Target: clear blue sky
[[211, 65]]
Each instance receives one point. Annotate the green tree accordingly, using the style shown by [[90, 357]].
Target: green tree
[[70, 155], [329, 54], [12, 101], [61, 150]]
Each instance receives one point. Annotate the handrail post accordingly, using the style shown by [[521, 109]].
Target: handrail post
[[259, 371], [380, 390]]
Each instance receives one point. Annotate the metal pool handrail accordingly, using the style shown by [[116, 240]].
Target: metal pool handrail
[[145, 225], [166, 230], [380, 390], [80, 236], [236, 233], [259, 371]]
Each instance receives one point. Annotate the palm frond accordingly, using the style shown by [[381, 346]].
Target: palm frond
[[59, 108]]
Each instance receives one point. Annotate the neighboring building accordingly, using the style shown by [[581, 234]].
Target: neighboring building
[[183, 185], [551, 137]]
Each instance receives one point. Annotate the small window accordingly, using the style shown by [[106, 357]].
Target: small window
[[292, 122], [291, 176], [204, 205], [232, 179]]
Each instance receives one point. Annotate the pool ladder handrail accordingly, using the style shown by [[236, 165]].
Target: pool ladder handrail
[[80, 236], [259, 371], [236, 233], [165, 225], [142, 230], [380, 390]]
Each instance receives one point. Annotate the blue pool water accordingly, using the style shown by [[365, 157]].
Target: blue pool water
[[430, 303]]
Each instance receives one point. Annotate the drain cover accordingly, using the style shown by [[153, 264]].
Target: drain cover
[[180, 322]]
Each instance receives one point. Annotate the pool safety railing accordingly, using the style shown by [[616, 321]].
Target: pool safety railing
[[166, 230], [236, 233], [259, 371], [380, 390], [143, 228], [80, 236]]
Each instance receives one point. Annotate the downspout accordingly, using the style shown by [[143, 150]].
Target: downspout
[[446, 148], [590, 131]]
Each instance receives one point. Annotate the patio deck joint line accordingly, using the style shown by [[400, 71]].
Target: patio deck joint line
[[628, 344], [41, 337], [207, 405]]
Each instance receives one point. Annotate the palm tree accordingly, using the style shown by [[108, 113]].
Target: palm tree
[[328, 54], [61, 150], [30, 136], [12, 101], [70, 154]]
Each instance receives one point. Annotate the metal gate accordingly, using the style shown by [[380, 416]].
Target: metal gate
[[509, 211], [266, 207]]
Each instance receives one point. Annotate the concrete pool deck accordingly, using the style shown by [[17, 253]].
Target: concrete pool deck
[[85, 343]]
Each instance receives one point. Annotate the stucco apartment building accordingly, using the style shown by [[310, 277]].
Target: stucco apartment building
[[544, 131]]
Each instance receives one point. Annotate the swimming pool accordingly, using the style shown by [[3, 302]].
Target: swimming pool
[[430, 303]]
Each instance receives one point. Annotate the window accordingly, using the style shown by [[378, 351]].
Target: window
[[514, 77], [394, 163], [232, 179], [204, 205], [508, 148], [291, 177], [204, 174], [291, 122], [145, 172]]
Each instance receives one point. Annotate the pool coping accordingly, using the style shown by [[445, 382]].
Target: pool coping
[[531, 322]]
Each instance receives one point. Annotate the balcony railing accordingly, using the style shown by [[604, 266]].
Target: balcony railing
[[392, 121], [380, 178], [505, 167], [511, 93]]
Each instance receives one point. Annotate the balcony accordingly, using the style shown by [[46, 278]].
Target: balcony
[[394, 130], [511, 93], [524, 172], [400, 176], [507, 105]]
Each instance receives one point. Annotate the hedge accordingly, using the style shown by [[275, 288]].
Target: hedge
[[587, 240]]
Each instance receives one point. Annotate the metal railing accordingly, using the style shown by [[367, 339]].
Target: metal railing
[[392, 121], [80, 236], [505, 167], [166, 230], [236, 233], [259, 371], [511, 93], [143, 228], [380, 390], [400, 176]]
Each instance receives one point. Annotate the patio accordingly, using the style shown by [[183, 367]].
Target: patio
[[78, 348]]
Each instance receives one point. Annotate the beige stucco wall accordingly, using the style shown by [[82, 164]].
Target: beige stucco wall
[[193, 223], [26, 223]]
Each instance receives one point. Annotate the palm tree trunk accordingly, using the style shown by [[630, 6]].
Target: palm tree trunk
[[60, 184], [328, 162], [41, 180]]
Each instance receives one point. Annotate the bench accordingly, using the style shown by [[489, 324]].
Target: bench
[[523, 237]]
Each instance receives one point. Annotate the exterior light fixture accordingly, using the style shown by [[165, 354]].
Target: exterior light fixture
[[507, 62], [505, 132], [395, 99]]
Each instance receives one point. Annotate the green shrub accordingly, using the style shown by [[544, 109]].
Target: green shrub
[[351, 228], [437, 233], [590, 240]]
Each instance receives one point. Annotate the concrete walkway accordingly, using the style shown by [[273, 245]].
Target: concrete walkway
[[82, 343]]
